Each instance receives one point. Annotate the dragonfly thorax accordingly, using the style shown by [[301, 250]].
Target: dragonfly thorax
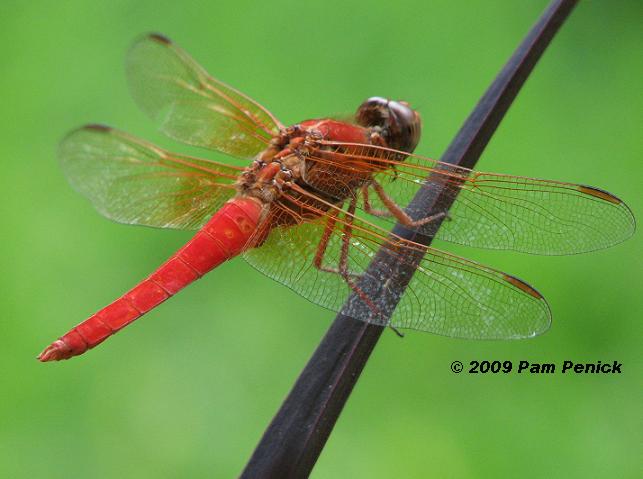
[[313, 154]]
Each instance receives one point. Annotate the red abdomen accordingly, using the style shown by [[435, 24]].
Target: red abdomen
[[223, 237]]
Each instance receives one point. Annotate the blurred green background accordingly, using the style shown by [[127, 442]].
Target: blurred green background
[[188, 390]]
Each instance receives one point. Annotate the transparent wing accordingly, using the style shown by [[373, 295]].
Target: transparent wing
[[131, 181], [191, 106], [447, 295], [491, 210]]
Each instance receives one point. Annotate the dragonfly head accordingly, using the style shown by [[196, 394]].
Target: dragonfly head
[[398, 123]]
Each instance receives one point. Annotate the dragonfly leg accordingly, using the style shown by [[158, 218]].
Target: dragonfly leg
[[323, 246], [395, 210], [342, 269], [399, 333], [369, 208], [343, 264]]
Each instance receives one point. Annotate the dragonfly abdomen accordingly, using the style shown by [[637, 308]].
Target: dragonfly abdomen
[[222, 238]]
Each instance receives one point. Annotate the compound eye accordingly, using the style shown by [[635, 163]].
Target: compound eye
[[405, 124], [398, 123], [374, 102], [373, 112], [404, 114]]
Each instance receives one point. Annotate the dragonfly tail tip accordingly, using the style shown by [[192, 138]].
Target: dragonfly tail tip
[[55, 352]]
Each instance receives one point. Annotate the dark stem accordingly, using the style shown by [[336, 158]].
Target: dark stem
[[296, 436]]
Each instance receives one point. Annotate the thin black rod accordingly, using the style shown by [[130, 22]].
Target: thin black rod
[[297, 434]]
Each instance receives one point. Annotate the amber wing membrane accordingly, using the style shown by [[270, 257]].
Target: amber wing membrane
[[492, 211], [131, 181], [191, 106], [447, 295]]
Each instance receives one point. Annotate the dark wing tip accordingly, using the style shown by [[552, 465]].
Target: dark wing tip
[[521, 285], [544, 322], [615, 200], [157, 37], [599, 193], [91, 128], [97, 127]]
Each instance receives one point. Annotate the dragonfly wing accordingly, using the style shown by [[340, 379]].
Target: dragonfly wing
[[131, 181], [191, 106], [447, 295], [496, 211], [468, 300], [536, 216]]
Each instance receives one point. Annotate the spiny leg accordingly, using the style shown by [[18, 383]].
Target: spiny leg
[[342, 270], [369, 208], [393, 209], [347, 233], [323, 247], [318, 261]]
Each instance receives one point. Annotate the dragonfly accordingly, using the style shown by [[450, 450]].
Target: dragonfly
[[312, 206]]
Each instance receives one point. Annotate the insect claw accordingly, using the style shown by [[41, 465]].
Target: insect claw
[[396, 174], [396, 331]]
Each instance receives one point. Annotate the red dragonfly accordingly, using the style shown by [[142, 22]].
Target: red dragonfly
[[307, 210]]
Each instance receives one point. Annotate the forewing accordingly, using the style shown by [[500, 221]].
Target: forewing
[[191, 106], [498, 211], [131, 181], [447, 295]]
